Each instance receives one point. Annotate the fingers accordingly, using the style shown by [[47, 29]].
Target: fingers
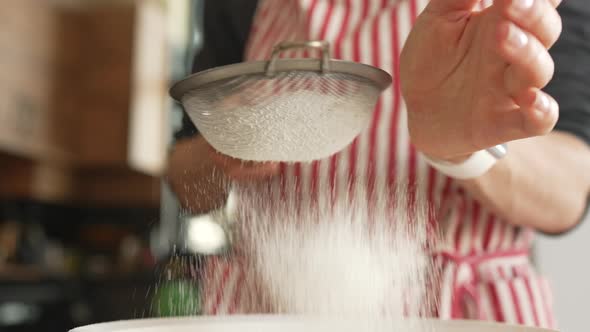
[[555, 3], [529, 62], [526, 30], [537, 17], [536, 116], [450, 7]]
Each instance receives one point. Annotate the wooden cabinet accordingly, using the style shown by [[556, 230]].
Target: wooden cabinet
[[29, 65], [102, 85], [66, 91]]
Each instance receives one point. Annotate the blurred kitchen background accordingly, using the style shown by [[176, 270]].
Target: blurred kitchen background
[[89, 231]]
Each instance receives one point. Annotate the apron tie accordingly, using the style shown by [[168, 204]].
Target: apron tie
[[460, 278]]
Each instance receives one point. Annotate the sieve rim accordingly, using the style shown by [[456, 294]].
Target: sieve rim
[[378, 76]]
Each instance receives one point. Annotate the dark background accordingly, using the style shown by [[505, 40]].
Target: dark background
[[87, 231]]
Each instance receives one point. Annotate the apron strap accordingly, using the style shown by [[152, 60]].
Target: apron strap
[[460, 278]]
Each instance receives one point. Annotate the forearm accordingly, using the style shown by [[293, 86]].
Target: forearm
[[542, 183], [198, 187]]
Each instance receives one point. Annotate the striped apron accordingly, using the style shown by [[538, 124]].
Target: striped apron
[[485, 266]]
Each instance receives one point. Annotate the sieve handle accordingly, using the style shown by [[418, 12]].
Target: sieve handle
[[321, 45]]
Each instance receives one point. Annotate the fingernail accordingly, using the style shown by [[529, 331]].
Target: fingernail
[[516, 37], [521, 5], [543, 104]]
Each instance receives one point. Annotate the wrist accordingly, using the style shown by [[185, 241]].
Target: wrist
[[469, 166]]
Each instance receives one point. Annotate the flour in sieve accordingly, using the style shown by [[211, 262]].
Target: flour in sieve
[[292, 117]]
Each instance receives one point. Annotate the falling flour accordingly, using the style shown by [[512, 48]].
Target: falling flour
[[346, 258]]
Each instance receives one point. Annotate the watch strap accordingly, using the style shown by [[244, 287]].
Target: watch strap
[[476, 165]]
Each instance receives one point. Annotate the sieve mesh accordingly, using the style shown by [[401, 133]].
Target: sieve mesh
[[291, 116]]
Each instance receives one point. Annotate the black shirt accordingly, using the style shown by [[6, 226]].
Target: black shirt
[[570, 85]]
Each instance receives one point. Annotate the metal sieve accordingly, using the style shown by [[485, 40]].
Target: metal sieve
[[289, 110]]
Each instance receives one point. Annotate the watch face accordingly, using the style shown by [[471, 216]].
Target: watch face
[[498, 151]]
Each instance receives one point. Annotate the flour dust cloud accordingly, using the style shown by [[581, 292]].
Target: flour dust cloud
[[361, 255]]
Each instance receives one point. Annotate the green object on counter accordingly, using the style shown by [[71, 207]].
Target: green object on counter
[[177, 298]]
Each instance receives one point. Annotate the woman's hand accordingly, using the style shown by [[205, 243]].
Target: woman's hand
[[199, 175], [239, 170], [472, 80]]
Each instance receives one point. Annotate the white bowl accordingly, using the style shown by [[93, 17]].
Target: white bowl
[[263, 323]]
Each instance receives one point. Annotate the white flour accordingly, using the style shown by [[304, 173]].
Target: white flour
[[308, 115], [348, 261]]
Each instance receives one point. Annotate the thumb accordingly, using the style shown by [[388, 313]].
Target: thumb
[[446, 7]]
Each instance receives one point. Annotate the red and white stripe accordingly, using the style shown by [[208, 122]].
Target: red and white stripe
[[373, 32]]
